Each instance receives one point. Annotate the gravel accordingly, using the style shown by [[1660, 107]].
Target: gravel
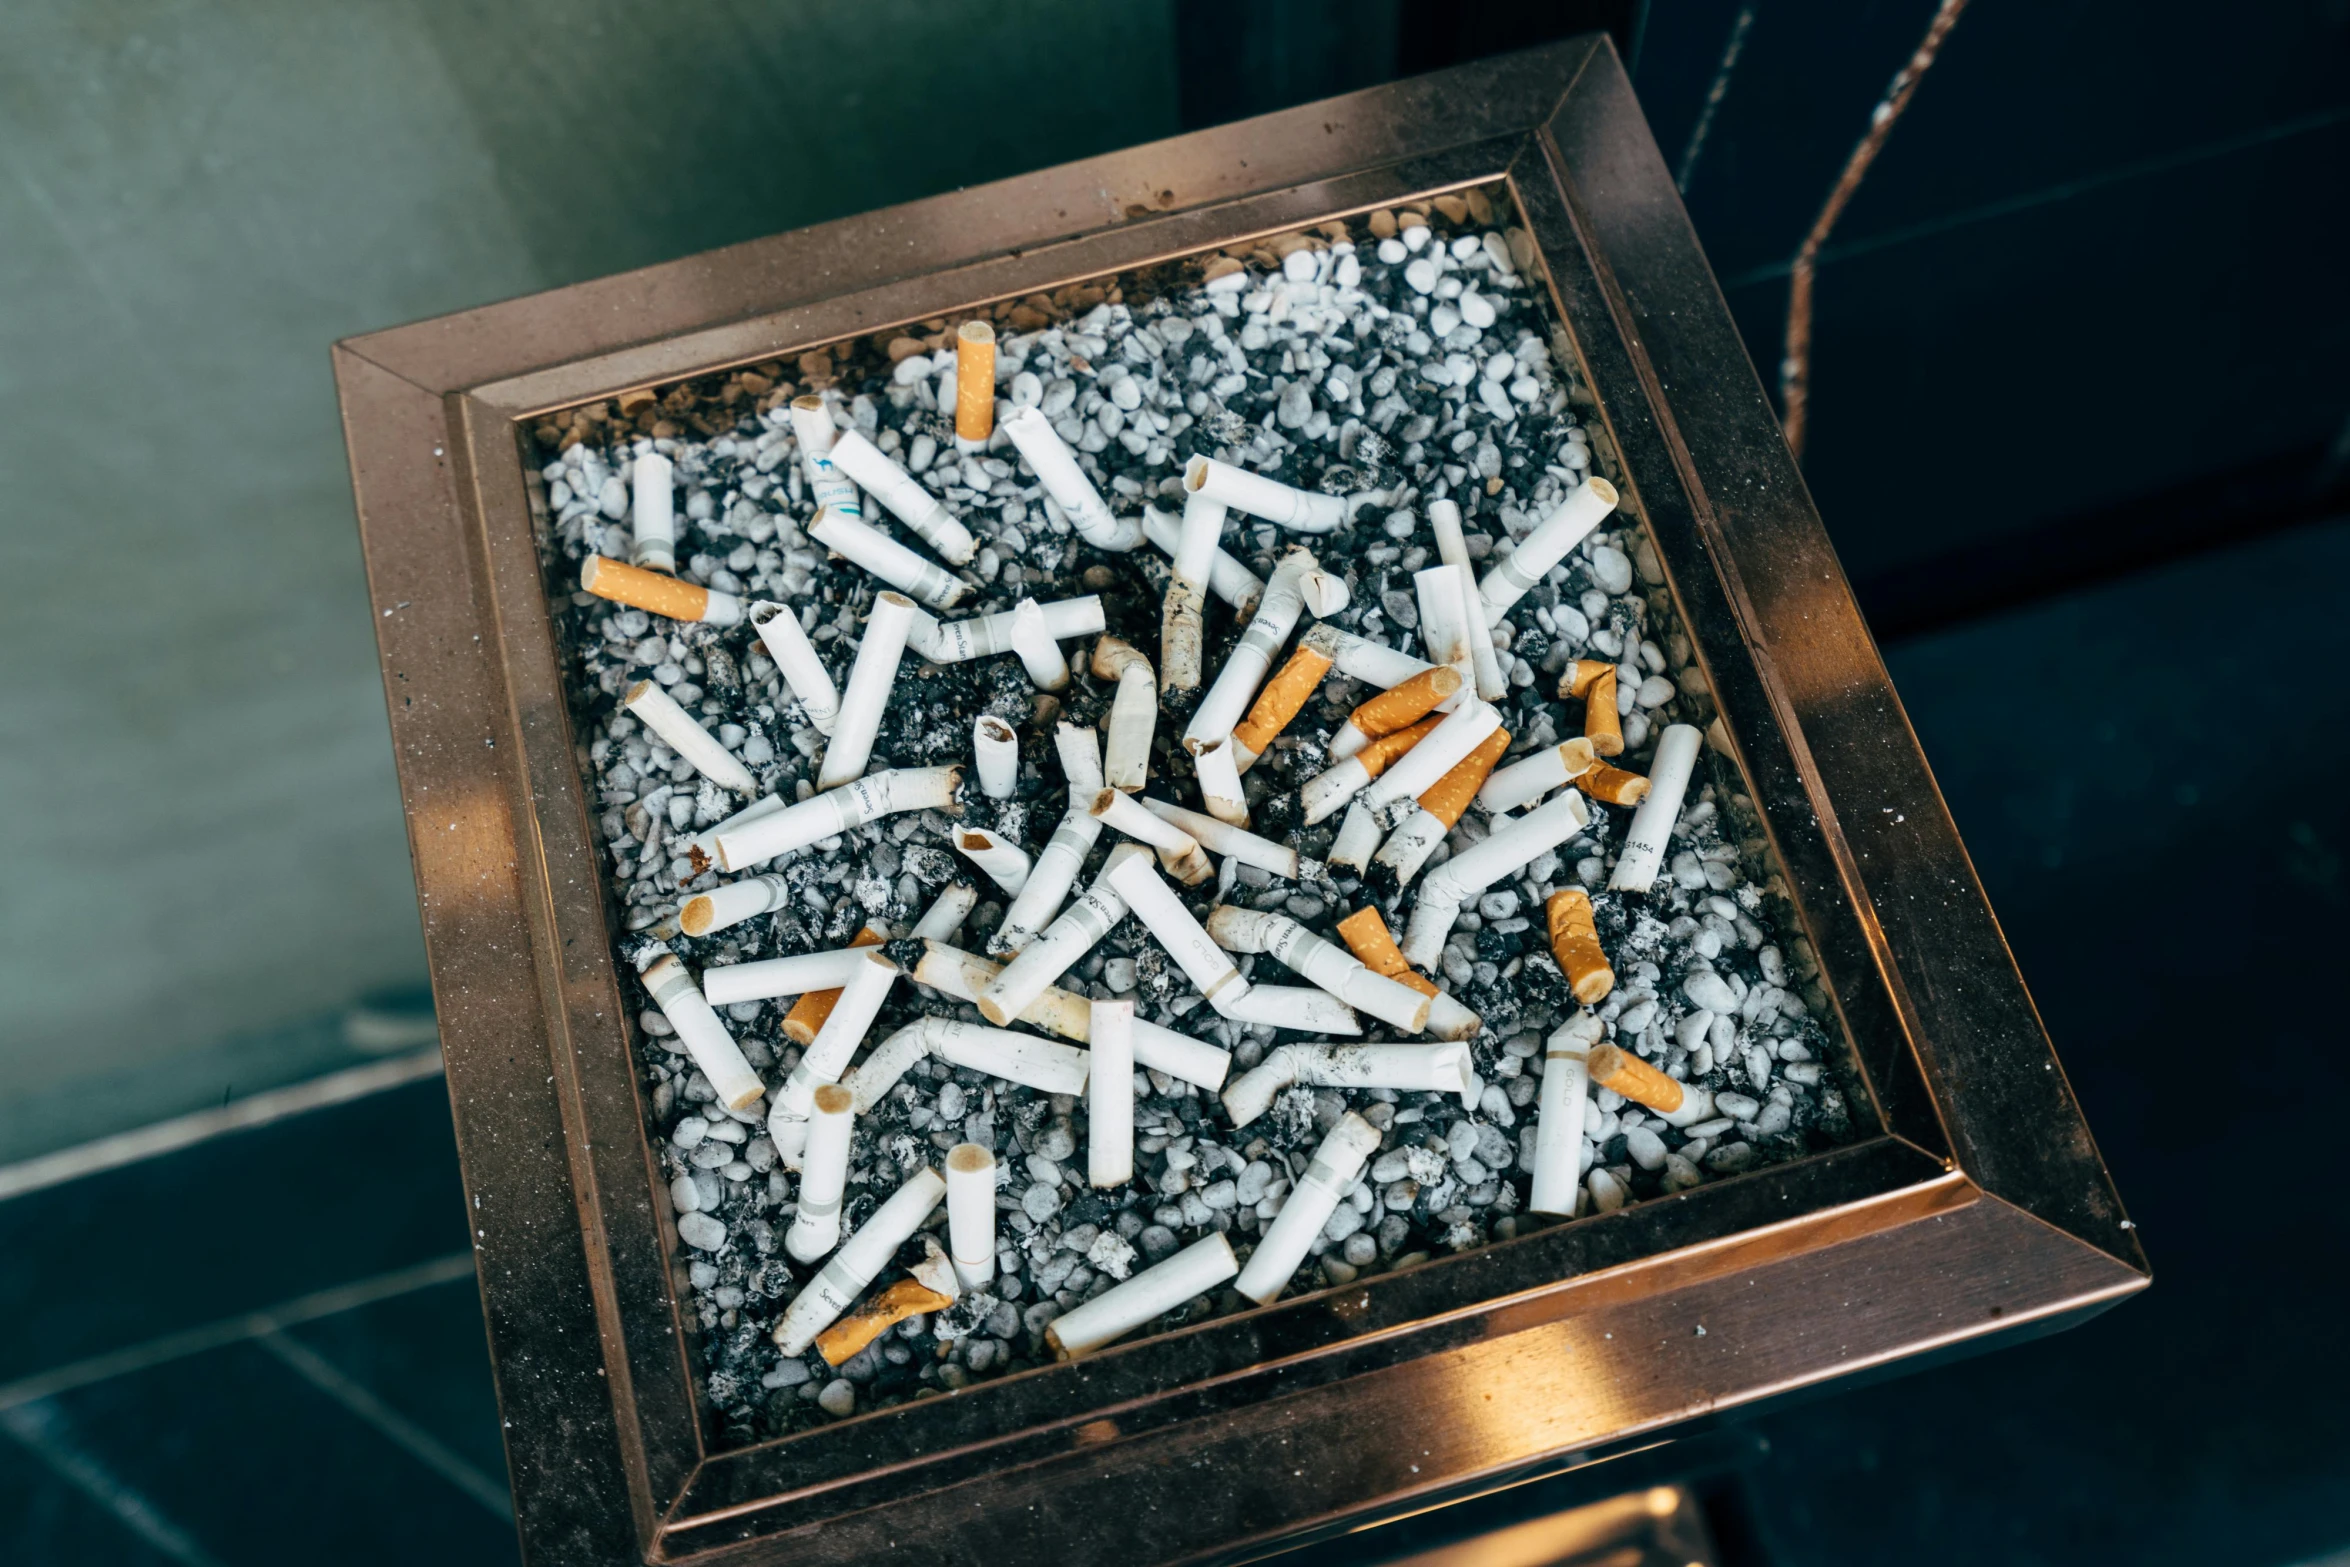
[[1314, 359]]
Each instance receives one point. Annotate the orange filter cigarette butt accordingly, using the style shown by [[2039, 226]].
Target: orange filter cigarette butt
[[1611, 784], [1376, 756], [1576, 683], [1397, 706], [974, 382], [906, 1298], [1450, 795], [1632, 1077], [1366, 935], [809, 1012], [662, 595], [1279, 702], [1600, 726], [1574, 941]]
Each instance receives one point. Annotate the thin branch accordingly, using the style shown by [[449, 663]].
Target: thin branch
[[1795, 366], [1713, 97]]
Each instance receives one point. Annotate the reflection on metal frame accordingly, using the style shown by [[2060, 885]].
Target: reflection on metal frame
[[1978, 1204]]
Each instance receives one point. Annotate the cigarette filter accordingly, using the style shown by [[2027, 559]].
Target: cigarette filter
[[1611, 784], [685, 735], [1475, 868], [1204, 963], [854, 539], [1221, 837], [1280, 504], [971, 1214], [731, 904], [1462, 732], [1109, 1101], [1219, 780], [1178, 850], [1332, 787], [1080, 750], [812, 426], [1427, 1069], [995, 754], [1051, 877], [707, 1043], [1064, 480], [853, 1267], [1580, 675], [1530, 778], [903, 494], [1278, 703], [654, 522], [824, 1174], [1601, 725], [1585, 507], [1358, 836], [1317, 1195], [1042, 1064], [835, 811], [1651, 832], [1155, 1291], [974, 382], [1040, 653], [1445, 594], [656, 594], [827, 1056], [1558, 1141], [1322, 962], [945, 916], [727, 983], [795, 658], [962, 975], [1301, 1009], [906, 1298], [865, 702], [1360, 658], [1574, 941], [1134, 713], [1235, 685], [1228, 579], [1683, 1104], [1441, 806], [1444, 520], [1367, 937], [1079, 929], [809, 1014], [702, 847], [1184, 629], [1004, 861], [985, 636], [1396, 708]]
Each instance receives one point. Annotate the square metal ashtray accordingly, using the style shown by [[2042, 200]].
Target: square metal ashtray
[[1971, 1202]]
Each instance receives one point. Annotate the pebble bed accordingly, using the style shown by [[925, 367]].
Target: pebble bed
[[1396, 359]]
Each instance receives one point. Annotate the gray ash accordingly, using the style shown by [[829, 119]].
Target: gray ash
[[1323, 365]]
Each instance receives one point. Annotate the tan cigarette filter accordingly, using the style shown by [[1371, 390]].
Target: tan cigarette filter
[[1366, 935], [1600, 724], [974, 381], [809, 1012], [1450, 795], [1611, 784], [1578, 756], [1376, 756], [861, 1326], [1574, 941], [1576, 683], [1632, 1077], [1279, 702], [638, 588], [1397, 706]]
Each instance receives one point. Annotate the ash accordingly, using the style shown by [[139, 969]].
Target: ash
[[1395, 369]]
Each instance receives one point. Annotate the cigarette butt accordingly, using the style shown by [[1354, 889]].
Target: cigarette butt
[[1392, 709], [1611, 784], [1600, 725], [1382, 751], [801, 1023], [1279, 702], [1578, 756], [906, 1298], [1576, 682], [663, 595], [1366, 935], [1574, 941], [1450, 795], [1632, 1077], [974, 381]]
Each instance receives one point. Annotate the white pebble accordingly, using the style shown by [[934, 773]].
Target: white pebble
[[1298, 266], [1477, 310], [1612, 568], [1421, 275], [700, 1231]]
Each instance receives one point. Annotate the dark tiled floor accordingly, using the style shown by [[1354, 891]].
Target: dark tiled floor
[[2147, 776]]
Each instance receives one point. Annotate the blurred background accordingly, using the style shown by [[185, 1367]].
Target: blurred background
[[2078, 426]]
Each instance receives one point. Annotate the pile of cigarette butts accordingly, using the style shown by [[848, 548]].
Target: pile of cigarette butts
[[1085, 879]]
